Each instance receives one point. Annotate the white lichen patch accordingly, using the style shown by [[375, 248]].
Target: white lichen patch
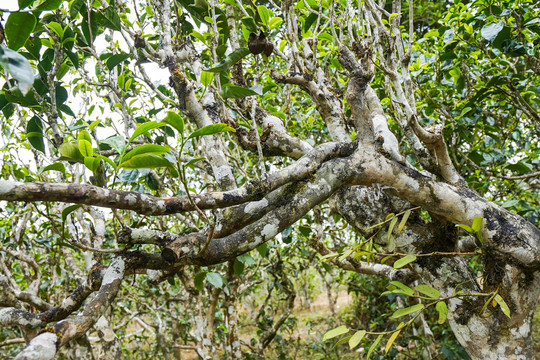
[[410, 184], [256, 205], [41, 347], [131, 199], [221, 172], [522, 255], [8, 186], [114, 272], [161, 204], [269, 230], [68, 302], [522, 331]]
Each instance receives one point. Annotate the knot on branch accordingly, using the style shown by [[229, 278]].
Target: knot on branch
[[185, 247], [257, 188], [359, 76], [178, 81], [124, 235], [95, 276]]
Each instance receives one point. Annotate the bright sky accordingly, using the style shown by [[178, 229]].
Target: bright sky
[[9, 5]]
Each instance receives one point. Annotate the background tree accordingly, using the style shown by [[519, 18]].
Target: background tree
[[171, 164]]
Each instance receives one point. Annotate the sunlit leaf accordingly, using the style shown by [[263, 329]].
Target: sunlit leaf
[[442, 310], [335, 332], [215, 279], [230, 60], [18, 67], [144, 128], [404, 220], [504, 307], [211, 130], [356, 338], [19, 26], [407, 259], [477, 224], [428, 291], [174, 120], [406, 311], [145, 149], [374, 345], [56, 166], [490, 31], [145, 161], [392, 338], [70, 152]]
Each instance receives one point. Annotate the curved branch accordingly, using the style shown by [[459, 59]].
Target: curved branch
[[150, 205], [46, 345], [16, 317]]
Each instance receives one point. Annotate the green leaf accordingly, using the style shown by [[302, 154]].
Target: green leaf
[[68, 210], [490, 32], [404, 261], [111, 19], [18, 67], [329, 256], [443, 311], [428, 291], [56, 28], [406, 311], [230, 60], [193, 161], [342, 341], [504, 307], [70, 152], [145, 128], [406, 290], [145, 161], [264, 14], [56, 166], [211, 130], [85, 147], [238, 267], [263, 250], [229, 91], [246, 259], [75, 7], [84, 135], [198, 280], [107, 160], [175, 121], [392, 339], [116, 142], [466, 228], [510, 203], [390, 18], [356, 338], [19, 26], [215, 279], [145, 149], [91, 163], [206, 78], [391, 227], [404, 220], [116, 59], [335, 332], [34, 133], [477, 224], [374, 345], [47, 5]]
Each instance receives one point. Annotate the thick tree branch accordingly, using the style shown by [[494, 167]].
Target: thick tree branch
[[46, 345]]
